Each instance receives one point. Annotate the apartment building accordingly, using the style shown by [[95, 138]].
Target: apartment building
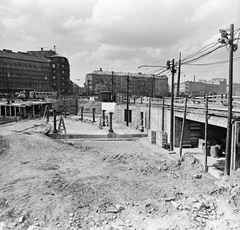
[[21, 71], [39, 71], [138, 84], [203, 87]]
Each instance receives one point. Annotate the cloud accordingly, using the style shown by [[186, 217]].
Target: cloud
[[115, 34]]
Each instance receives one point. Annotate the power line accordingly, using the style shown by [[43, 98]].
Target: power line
[[214, 63]]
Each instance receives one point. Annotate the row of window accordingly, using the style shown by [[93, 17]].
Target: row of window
[[24, 66]]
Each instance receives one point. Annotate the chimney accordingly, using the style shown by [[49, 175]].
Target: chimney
[[41, 49], [100, 69], [54, 49]]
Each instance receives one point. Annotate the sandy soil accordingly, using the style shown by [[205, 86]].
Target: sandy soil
[[108, 185]]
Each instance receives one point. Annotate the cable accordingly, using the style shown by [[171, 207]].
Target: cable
[[203, 55], [205, 48], [215, 63]]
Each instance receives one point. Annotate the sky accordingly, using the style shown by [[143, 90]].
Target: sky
[[124, 35]]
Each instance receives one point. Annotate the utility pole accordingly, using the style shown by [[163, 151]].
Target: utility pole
[[153, 86], [127, 115], [230, 86], [206, 135], [183, 124], [112, 88], [173, 70], [179, 75]]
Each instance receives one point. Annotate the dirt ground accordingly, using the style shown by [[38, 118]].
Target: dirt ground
[[108, 185]]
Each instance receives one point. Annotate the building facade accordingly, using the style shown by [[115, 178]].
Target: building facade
[[60, 71], [138, 84], [38, 71], [22, 71], [202, 87]]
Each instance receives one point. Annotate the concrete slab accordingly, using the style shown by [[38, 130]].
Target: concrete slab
[[77, 128]]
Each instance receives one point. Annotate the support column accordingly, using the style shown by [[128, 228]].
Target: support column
[[93, 113], [103, 115], [54, 121], [15, 111], [33, 112], [110, 122], [81, 113], [47, 113]]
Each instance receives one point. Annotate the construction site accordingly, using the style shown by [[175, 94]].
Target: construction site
[[82, 164]]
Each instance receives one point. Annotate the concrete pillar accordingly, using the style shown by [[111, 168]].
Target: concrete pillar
[[110, 122], [15, 111], [82, 113], [103, 116], [93, 114], [54, 121], [10, 110], [65, 111], [33, 111], [24, 112], [47, 114]]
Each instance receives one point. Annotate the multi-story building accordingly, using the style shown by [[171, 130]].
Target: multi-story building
[[202, 87], [38, 71], [117, 82], [22, 71], [60, 71]]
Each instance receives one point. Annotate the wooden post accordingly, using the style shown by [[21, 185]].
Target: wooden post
[[206, 134], [172, 107], [163, 107], [149, 113], [183, 124], [230, 89], [54, 121]]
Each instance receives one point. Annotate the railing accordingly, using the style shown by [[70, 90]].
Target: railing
[[216, 100]]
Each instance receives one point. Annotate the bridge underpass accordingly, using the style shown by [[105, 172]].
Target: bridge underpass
[[155, 115]]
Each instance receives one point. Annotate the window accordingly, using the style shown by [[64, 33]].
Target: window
[[53, 65], [54, 77], [46, 77]]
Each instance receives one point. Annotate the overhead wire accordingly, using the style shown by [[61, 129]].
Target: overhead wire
[[214, 63], [205, 48]]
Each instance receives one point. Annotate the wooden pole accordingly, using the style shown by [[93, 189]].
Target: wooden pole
[[163, 101], [179, 75], [127, 118], [206, 134], [172, 107], [149, 113], [229, 121], [183, 124]]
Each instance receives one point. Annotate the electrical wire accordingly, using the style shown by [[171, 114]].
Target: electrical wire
[[201, 50], [203, 55], [215, 63]]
